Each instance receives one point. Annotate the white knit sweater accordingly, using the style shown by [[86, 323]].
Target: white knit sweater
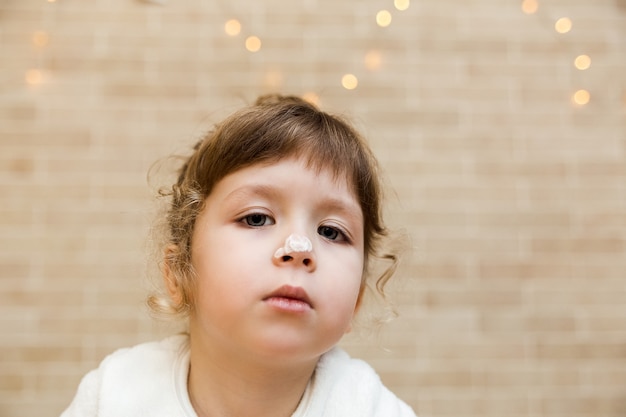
[[151, 380]]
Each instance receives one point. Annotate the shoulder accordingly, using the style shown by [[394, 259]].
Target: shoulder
[[131, 380], [346, 385], [143, 376], [150, 353]]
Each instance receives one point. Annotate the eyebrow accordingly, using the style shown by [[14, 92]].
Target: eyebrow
[[346, 207], [260, 190]]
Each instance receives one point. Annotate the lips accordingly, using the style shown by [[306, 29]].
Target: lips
[[289, 293]]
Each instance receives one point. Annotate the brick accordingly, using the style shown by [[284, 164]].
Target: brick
[[511, 293]]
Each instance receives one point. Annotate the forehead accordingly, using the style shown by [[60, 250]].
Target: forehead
[[291, 177]]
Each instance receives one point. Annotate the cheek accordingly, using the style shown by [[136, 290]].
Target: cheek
[[227, 270], [345, 285]]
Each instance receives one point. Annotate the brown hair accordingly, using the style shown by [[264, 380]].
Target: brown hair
[[275, 127]]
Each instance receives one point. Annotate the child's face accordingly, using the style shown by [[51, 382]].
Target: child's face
[[247, 217]]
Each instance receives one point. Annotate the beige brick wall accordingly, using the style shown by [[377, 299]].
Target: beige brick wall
[[512, 301]]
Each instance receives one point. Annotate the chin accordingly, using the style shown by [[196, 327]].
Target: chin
[[286, 351]]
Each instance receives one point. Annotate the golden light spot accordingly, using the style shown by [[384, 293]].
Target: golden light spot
[[40, 39], [253, 43], [581, 97], [33, 77], [530, 6], [373, 60], [383, 18], [563, 25], [582, 62], [349, 81], [232, 27], [273, 78], [51, 1], [312, 98], [402, 4]]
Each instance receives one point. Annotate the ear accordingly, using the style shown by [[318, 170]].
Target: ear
[[171, 276]]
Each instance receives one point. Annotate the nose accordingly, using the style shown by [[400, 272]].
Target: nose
[[307, 259], [297, 250]]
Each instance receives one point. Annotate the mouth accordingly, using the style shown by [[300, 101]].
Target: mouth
[[290, 299]]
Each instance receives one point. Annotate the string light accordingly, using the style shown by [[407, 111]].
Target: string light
[[232, 27], [401, 4], [253, 44], [582, 62], [581, 97], [349, 81], [372, 61], [563, 25], [383, 18], [530, 6]]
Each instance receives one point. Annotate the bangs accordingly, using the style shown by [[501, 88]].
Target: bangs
[[323, 141], [324, 146]]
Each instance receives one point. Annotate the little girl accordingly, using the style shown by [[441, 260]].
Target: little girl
[[271, 224]]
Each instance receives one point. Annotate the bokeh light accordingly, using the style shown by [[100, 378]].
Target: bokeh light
[[401, 4], [530, 6], [582, 62], [581, 97], [563, 25], [373, 60], [34, 77], [40, 39], [312, 98], [253, 44], [349, 81], [383, 18], [273, 79], [232, 27]]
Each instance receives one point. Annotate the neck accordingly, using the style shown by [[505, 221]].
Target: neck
[[224, 384]]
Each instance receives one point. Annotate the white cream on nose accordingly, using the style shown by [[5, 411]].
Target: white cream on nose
[[294, 243]]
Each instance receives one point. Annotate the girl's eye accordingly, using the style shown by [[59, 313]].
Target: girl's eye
[[331, 233], [257, 220]]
